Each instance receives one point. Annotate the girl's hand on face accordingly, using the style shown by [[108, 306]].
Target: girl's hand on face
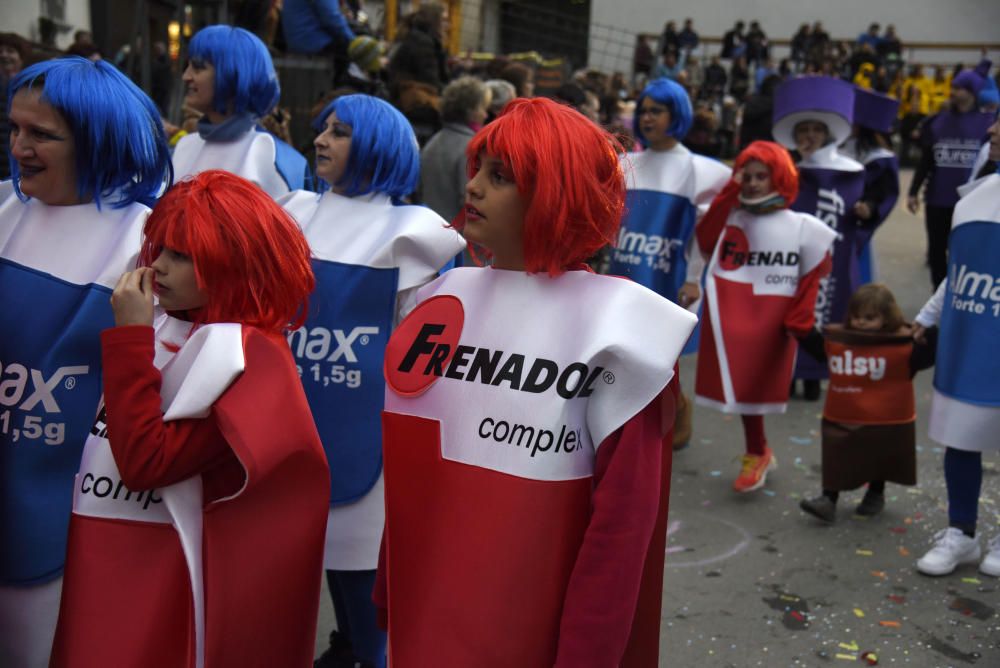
[[132, 299], [918, 333]]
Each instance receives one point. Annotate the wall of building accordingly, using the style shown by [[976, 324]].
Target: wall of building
[[21, 17]]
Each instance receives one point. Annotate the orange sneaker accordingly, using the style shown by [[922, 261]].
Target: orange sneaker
[[754, 471]]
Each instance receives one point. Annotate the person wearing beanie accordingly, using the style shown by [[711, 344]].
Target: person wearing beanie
[[950, 141]]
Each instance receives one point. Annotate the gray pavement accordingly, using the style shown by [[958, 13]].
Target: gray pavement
[[751, 581]]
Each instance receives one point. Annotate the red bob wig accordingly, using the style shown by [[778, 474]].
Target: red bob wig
[[567, 169], [784, 180], [249, 255], [784, 175]]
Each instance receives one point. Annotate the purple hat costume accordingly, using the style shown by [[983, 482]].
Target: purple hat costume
[[823, 99], [874, 111]]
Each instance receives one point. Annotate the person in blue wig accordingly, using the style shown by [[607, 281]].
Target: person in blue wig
[[230, 80], [371, 253], [88, 157], [669, 189]]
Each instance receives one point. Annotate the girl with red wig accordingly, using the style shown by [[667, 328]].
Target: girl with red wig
[[200, 505], [765, 265], [523, 418]]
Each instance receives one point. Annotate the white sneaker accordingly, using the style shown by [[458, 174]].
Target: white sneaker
[[991, 564], [951, 548]]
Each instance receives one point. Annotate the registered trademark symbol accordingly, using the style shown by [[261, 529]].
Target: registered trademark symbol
[[364, 339], [609, 378], [70, 383]]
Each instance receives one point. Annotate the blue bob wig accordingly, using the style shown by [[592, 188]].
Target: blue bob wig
[[673, 96], [384, 156], [121, 152], [245, 79]]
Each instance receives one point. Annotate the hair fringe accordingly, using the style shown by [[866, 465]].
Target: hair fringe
[[879, 298], [249, 255], [245, 79], [384, 155], [675, 98]]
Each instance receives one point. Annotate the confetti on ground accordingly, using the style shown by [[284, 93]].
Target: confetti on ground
[[850, 646], [903, 552], [846, 657], [858, 612], [898, 529], [870, 658], [715, 474], [971, 581], [896, 598], [863, 553], [769, 492], [889, 623], [800, 440], [880, 574]]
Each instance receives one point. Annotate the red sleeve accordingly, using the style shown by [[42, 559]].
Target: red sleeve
[[149, 452], [709, 228], [604, 586], [801, 315]]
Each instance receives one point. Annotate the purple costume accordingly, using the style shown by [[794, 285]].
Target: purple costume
[[829, 185]]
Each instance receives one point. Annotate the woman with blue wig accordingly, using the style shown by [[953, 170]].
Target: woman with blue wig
[[371, 253], [231, 81], [88, 157], [669, 189]]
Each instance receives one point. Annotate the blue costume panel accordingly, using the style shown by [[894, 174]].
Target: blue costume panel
[[339, 354], [968, 367], [50, 386]]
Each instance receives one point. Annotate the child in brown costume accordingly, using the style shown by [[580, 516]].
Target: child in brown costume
[[869, 415]]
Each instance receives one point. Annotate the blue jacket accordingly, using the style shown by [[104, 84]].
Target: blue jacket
[[311, 25]]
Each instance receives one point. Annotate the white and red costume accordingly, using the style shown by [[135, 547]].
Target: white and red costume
[[197, 530], [760, 289], [522, 445]]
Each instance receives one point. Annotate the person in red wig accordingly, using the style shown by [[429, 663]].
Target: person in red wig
[[765, 264], [524, 415], [200, 507]]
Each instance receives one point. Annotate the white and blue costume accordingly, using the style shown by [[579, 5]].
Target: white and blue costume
[[369, 257]]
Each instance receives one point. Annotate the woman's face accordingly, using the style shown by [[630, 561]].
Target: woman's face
[[10, 60], [810, 136], [333, 147], [867, 320], [199, 85], [494, 212], [654, 120], [755, 181], [42, 143]]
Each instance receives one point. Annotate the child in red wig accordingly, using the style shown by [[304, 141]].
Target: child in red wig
[[523, 422], [200, 506], [765, 264]]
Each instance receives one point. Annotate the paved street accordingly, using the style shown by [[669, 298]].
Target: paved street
[[752, 581]]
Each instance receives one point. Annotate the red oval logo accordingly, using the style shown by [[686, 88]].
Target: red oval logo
[[733, 249], [423, 345]]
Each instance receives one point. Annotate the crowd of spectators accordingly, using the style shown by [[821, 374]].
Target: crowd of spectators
[[731, 83]]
